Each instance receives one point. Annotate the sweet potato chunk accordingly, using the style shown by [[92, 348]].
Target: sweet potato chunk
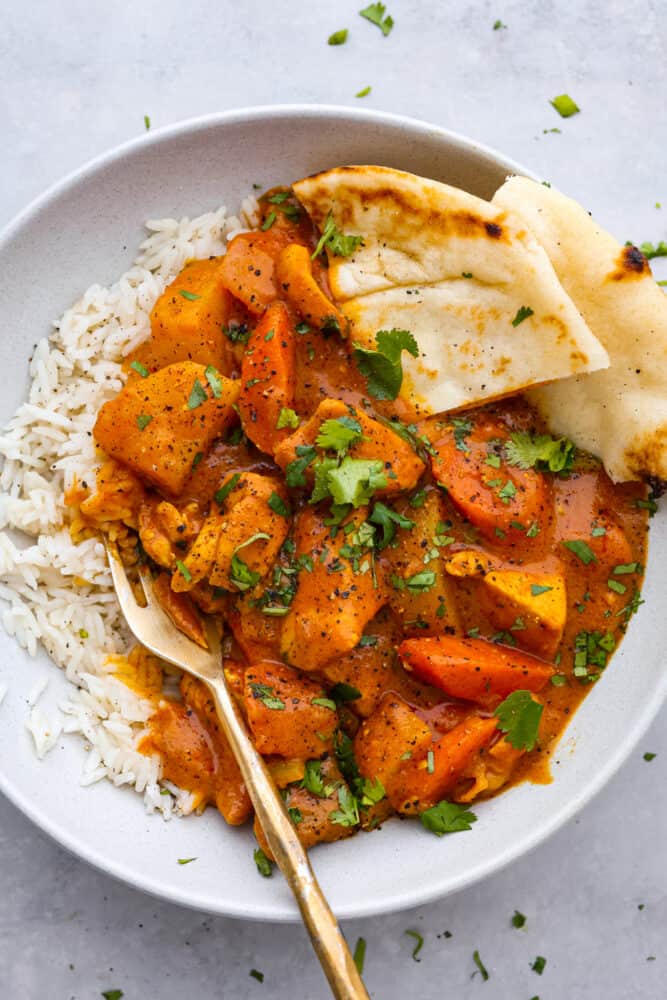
[[390, 737], [294, 272], [267, 377], [473, 669], [157, 425], [402, 466], [187, 320], [333, 604], [283, 715]]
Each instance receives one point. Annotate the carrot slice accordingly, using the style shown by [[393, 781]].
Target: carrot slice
[[426, 780], [495, 498], [267, 378], [473, 669]]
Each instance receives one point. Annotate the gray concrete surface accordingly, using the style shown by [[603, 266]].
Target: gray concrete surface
[[76, 78]]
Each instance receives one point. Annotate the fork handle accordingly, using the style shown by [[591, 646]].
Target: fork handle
[[325, 934]]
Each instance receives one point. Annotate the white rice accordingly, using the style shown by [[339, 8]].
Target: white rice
[[46, 446]]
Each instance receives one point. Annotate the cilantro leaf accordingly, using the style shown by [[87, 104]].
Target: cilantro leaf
[[382, 367], [651, 250], [523, 312], [338, 37], [264, 865], [339, 433], [419, 943], [447, 817], [184, 571], [287, 418], [242, 576], [186, 861], [564, 105], [140, 369], [364, 92], [518, 920], [539, 588], [190, 296], [342, 692], [143, 420], [388, 520], [539, 452], [294, 472], [267, 696], [213, 379], [356, 480], [197, 396], [581, 550], [348, 814], [113, 994], [335, 241], [480, 965], [321, 489], [375, 13], [221, 495], [519, 718], [359, 954], [256, 974], [278, 505], [313, 780]]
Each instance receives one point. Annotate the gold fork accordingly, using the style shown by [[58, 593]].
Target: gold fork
[[155, 631]]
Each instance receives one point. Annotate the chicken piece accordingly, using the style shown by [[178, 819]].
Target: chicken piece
[[159, 424], [165, 530], [421, 594], [314, 816], [402, 466], [333, 603], [257, 634], [180, 610], [118, 497], [389, 738], [284, 714], [239, 543], [188, 320]]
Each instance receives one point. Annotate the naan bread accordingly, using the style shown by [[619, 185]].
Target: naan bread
[[619, 414], [453, 270]]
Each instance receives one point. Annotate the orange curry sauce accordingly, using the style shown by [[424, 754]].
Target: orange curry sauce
[[368, 651]]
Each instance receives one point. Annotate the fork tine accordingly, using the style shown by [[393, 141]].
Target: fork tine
[[146, 584], [119, 576]]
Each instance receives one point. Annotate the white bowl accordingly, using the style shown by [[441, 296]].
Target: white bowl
[[87, 229]]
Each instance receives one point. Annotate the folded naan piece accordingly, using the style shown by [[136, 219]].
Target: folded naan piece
[[619, 414], [465, 277]]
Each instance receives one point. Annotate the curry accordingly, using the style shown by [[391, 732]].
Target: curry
[[413, 605]]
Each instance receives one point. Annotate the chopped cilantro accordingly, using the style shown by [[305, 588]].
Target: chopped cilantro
[[324, 703], [631, 608], [221, 495], [375, 13], [538, 588], [342, 692], [356, 480], [591, 649], [564, 105], [241, 575], [539, 452], [83, 634], [650, 756], [186, 861], [295, 815], [418, 499], [348, 813], [338, 37], [507, 492], [430, 762], [623, 568], [480, 965], [581, 550], [616, 586], [364, 92], [140, 369], [184, 571], [336, 241], [197, 395], [519, 718], [264, 865], [213, 379], [256, 974], [143, 420], [497, 25], [518, 919], [196, 460], [267, 696], [539, 964], [523, 312], [382, 367], [294, 472], [322, 468], [268, 221], [368, 640], [359, 955], [419, 583], [650, 250], [278, 505], [287, 418], [447, 817], [313, 780], [533, 530], [559, 680], [419, 943], [461, 430], [190, 296], [389, 520], [339, 433], [113, 994], [238, 333], [650, 505], [147, 125]]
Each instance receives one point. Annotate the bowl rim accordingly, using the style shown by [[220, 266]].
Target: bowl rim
[[423, 894]]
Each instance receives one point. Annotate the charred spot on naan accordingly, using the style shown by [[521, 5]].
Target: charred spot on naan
[[647, 453], [631, 264]]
